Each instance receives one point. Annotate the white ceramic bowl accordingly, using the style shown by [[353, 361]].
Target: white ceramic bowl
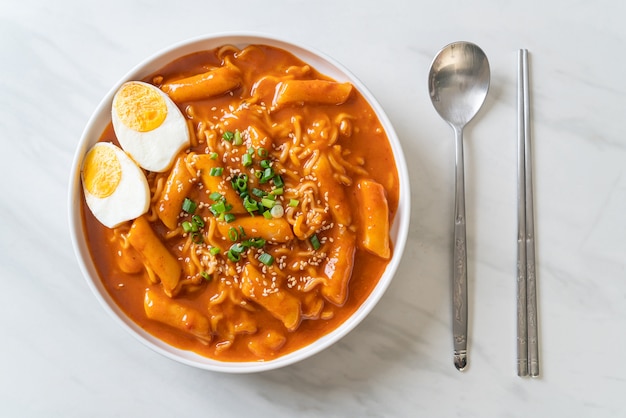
[[102, 116]]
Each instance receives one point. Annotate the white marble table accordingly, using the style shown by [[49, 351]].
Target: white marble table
[[62, 355]]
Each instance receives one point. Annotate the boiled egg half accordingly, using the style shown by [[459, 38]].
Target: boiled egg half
[[116, 189], [148, 125]]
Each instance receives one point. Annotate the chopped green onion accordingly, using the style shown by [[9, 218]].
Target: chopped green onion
[[233, 234], [246, 160], [262, 152], [189, 205], [258, 192], [266, 175], [265, 163], [186, 226], [197, 219], [218, 207], [277, 211], [205, 275], [233, 256], [237, 138], [278, 181], [214, 251], [216, 196], [229, 217], [213, 155], [266, 259], [242, 233], [315, 242], [216, 171], [196, 237], [250, 205], [228, 136], [268, 203], [254, 242], [267, 214], [237, 248], [294, 202], [277, 191], [235, 251], [240, 184]]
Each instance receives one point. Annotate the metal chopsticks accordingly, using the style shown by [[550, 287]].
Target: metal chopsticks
[[527, 338]]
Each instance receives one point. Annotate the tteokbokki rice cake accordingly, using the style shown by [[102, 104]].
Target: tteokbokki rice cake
[[239, 203]]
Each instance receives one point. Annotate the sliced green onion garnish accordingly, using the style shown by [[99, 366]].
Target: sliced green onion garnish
[[250, 205], [268, 203], [237, 140], [235, 251], [214, 251], [277, 211], [278, 181], [265, 163], [186, 226], [229, 217], [218, 207], [276, 192], [196, 237], [294, 202], [213, 155], [228, 136], [215, 196], [233, 234], [315, 242], [242, 233], [189, 205], [246, 160], [216, 171], [254, 242], [241, 184], [267, 214], [262, 152], [258, 192], [266, 259], [266, 175], [233, 256], [237, 248], [197, 219], [205, 275]]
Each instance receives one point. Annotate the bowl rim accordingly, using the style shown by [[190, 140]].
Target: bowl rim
[[100, 117]]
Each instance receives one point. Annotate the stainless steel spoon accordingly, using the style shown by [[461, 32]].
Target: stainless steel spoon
[[458, 83]]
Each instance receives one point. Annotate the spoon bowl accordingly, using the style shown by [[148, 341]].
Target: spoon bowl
[[458, 83]]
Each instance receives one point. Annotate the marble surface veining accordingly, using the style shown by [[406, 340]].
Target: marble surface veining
[[61, 355]]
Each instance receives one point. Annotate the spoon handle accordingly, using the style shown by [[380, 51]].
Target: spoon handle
[[459, 278]]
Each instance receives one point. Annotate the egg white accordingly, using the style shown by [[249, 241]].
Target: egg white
[[130, 199], [154, 150]]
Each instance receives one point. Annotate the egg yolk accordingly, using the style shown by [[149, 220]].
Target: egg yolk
[[102, 171], [140, 107]]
